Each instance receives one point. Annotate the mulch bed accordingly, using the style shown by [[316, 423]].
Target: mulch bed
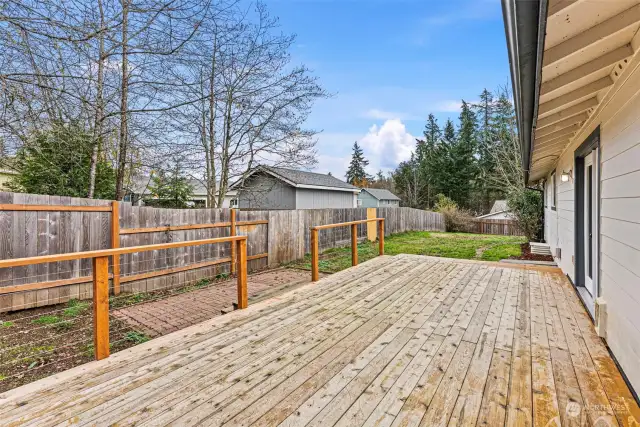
[[527, 255]]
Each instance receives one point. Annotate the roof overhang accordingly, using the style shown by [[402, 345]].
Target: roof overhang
[[565, 57]]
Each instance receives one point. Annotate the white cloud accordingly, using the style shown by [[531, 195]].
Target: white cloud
[[387, 145], [384, 146], [377, 114], [449, 106]]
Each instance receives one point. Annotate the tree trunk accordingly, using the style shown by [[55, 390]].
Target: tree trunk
[[123, 143], [97, 125]]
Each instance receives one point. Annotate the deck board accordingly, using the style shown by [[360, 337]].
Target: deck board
[[396, 341]]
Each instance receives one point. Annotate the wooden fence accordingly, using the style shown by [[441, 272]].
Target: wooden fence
[[502, 227], [36, 225]]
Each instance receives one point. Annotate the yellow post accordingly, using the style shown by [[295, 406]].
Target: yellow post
[[371, 226], [243, 298], [101, 307], [354, 244], [381, 237], [315, 275]]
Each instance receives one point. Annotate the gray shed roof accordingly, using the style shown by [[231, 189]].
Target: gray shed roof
[[298, 178], [381, 194]]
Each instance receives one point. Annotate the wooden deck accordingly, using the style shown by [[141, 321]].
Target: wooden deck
[[395, 341]]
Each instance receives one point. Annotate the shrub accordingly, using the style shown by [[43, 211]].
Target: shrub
[[455, 219], [526, 206]]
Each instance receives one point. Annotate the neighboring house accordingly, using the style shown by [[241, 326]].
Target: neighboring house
[[267, 187], [499, 210], [377, 198], [575, 67], [140, 189]]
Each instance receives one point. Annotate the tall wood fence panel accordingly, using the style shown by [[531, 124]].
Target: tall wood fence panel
[[502, 227], [274, 237]]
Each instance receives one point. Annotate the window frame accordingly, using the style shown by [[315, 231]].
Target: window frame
[[554, 191]]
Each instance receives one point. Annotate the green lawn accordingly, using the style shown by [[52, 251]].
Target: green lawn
[[450, 245]]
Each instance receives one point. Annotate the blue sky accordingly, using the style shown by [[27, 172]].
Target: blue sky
[[389, 63]]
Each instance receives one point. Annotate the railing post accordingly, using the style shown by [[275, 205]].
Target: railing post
[[314, 255], [233, 247], [354, 244], [115, 243], [101, 307], [381, 237], [243, 298]]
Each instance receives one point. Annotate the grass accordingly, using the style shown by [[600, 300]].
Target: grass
[[6, 324], [136, 337], [450, 245], [46, 320], [75, 308]]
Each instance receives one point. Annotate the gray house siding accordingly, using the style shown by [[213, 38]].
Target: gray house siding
[[389, 203], [264, 192], [367, 200], [321, 199]]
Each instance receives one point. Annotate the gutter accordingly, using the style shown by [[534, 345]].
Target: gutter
[[525, 32]]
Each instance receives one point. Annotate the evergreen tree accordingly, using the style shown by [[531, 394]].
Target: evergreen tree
[[463, 168], [485, 111], [356, 174], [171, 190], [57, 162], [449, 132], [429, 162]]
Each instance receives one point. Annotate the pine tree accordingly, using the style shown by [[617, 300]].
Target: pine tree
[[172, 190], [463, 166], [429, 162], [485, 111], [449, 132], [356, 174]]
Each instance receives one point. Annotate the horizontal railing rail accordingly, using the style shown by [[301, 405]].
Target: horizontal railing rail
[[101, 276], [315, 269]]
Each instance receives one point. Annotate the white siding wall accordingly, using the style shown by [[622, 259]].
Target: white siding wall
[[619, 221]]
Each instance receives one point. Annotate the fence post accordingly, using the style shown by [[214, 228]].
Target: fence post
[[233, 247], [381, 237], [101, 307], [314, 255], [243, 298], [115, 243], [354, 244]]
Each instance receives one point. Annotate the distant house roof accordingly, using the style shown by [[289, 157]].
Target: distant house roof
[[381, 194], [499, 206], [303, 179]]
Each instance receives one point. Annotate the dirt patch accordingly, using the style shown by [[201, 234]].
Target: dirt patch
[[527, 255], [40, 342]]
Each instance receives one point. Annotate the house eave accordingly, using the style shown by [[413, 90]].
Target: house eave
[[524, 23]]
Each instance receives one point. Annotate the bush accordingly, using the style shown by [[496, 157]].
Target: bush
[[526, 206], [455, 219]]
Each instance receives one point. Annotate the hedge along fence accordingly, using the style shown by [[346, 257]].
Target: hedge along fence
[[35, 225]]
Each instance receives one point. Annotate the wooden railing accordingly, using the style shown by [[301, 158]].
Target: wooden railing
[[115, 233], [100, 276], [315, 271]]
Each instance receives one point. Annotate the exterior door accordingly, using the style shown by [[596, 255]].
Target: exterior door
[[590, 215]]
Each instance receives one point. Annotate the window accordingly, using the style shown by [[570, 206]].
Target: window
[[359, 202], [552, 192], [233, 203]]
